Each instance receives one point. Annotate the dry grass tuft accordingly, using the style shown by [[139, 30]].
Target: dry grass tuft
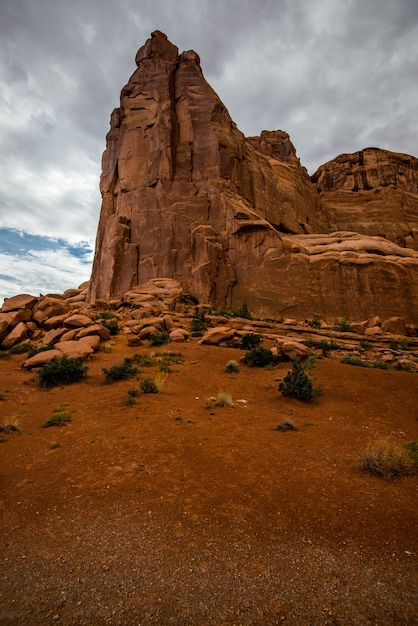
[[387, 459]]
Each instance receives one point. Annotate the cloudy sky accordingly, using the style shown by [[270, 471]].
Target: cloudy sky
[[337, 75]]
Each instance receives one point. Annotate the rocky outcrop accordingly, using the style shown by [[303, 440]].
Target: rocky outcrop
[[187, 197]]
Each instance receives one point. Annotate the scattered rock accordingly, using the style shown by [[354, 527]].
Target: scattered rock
[[22, 301]]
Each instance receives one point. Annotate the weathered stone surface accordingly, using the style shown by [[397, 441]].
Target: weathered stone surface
[[373, 330], [94, 329], [17, 335], [157, 295], [54, 335], [188, 197], [179, 335], [75, 349], [54, 322], [22, 301], [290, 349], [42, 358]]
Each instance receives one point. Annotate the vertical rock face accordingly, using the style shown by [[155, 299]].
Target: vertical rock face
[[233, 219]]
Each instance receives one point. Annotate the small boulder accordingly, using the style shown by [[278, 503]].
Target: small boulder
[[290, 349], [17, 335], [395, 326], [217, 335], [54, 335], [179, 335]]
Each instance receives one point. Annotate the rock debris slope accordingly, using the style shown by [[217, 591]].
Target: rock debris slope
[[234, 219]]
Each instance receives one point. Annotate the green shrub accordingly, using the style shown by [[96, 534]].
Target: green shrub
[[412, 448], [159, 339], [352, 359], [20, 348], [315, 323], [148, 386], [59, 418], [250, 341], [366, 345], [344, 326], [323, 345], [387, 459], [286, 425], [198, 324], [380, 365], [130, 400], [112, 326], [399, 346], [232, 367], [260, 357], [145, 360], [106, 315], [120, 372], [242, 312], [297, 383], [62, 371]]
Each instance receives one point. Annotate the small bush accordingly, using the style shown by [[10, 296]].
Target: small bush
[[10, 428], [120, 372], [387, 459], [159, 339], [62, 371], [259, 357], [60, 418], [399, 346], [242, 312], [286, 425], [380, 365], [352, 359], [366, 345], [54, 446], [323, 345], [232, 367], [130, 400], [148, 386], [297, 383], [20, 348], [224, 399], [250, 341], [198, 324], [112, 326], [344, 326], [412, 448], [106, 315], [315, 323], [145, 360]]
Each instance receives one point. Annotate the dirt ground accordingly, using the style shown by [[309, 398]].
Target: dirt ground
[[174, 511]]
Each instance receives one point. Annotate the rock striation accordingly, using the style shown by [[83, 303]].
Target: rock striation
[[187, 197]]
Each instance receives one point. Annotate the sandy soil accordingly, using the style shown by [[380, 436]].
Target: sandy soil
[[176, 512]]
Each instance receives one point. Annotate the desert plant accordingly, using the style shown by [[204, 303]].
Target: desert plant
[[224, 399], [315, 323], [286, 425], [54, 446], [250, 341], [10, 426], [242, 312], [148, 386], [145, 360], [59, 418], [159, 339], [403, 367], [112, 326], [412, 448], [198, 324], [297, 383], [232, 367], [352, 359], [366, 345], [62, 371], [120, 372], [259, 357], [42, 348], [20, 348], [160, 379], [380, 365], [130, 400], [400, 345], [106, 315], [322, 344], [344, 326], [387, 459]]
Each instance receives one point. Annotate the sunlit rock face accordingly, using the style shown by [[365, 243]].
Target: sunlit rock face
[[186, 196]]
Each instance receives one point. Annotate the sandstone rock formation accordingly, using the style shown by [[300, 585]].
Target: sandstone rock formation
[[187, 197]]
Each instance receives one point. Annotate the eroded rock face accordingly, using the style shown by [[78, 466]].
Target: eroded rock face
[[187, 197]]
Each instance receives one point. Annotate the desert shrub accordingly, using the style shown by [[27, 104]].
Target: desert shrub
[[119, 372], [160, 379], [10, 428], [242, 312], [20, 348], [352, 359], [322, 344], [37, 349], [145, 360], [403, 367], [344, 326], [250, 341], [366, 345], [286, 425], [159, 339], [148, 386], [58, 418], [62, 371], [232, 367], [112, 326], [400, 345], [297, 383], [380, 365], [130, 400], [198, 324], [259, 357], [387, 459], [224, 399], [164, 366], [412, 448], [315, 323], [106, 315]]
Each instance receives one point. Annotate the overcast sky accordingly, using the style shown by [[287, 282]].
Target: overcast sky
[[337, 75]]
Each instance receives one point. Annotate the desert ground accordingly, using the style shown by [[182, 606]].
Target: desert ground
[[179, 511]]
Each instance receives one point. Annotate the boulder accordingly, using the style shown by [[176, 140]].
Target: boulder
[[74, 349], [17, 335], [42, 358], [22, 301], [291, 349], [55, 322], [49, 307], [78, 321], [373, 330], [395, 326], [54, 335], [95, 329], [179, 335], [217, 335]]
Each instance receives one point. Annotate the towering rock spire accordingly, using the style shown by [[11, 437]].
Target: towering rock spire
[[234, 220]]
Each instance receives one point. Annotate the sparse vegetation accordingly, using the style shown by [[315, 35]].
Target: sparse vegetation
[[120, 372], [58, 418], [399, 346], [20, 348], [315, 323], [159, 339], [352, 359], [297, 383], [198, 325], [10, 426], [106, 315], [112, 326], [54, 446], [42, 348], [260, 357], [250, 341], [286, 425], [344, 326], [412, 449], [160, 379], [365, 345], [148, 386], [323, 345], [241, 312], [62, 371], [232, 367], [387, 459], [380, 365], [224, 399]]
